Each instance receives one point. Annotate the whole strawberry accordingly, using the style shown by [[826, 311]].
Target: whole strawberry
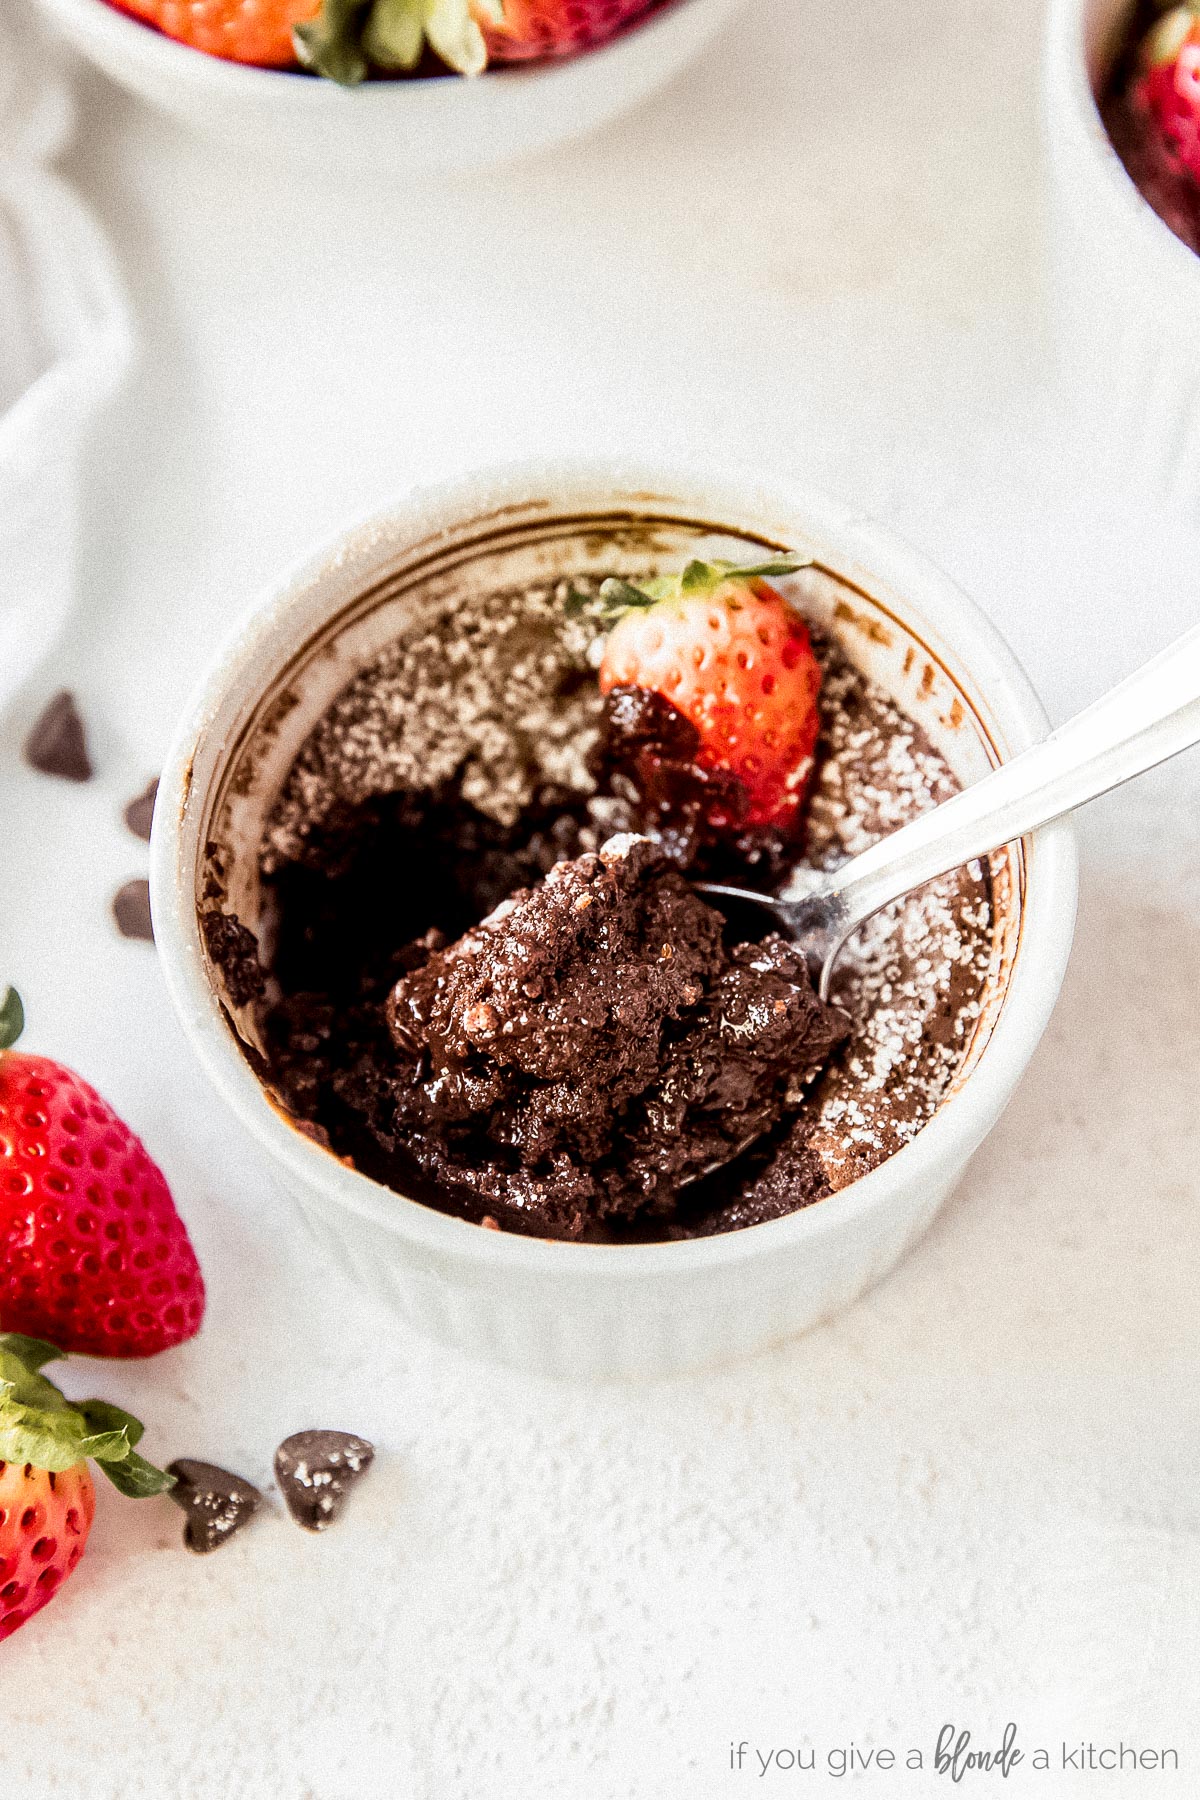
[[1167, 88], [726, 650], [46, 1495], [244, 31], [92, 1251]]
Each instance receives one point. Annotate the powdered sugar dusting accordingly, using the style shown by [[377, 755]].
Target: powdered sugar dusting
[[913, 977], [496, 688]]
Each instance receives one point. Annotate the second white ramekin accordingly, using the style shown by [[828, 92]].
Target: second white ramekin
[[587, 1310], [1126, 290]]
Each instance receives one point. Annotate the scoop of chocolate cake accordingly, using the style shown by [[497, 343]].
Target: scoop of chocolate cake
[[593, 1045]]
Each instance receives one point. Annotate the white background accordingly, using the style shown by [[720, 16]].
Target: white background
[[977, 1496]]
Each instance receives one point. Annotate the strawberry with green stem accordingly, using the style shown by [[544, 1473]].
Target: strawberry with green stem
[[346, 39], [725, 649], [47, 1499], [92, 1251]]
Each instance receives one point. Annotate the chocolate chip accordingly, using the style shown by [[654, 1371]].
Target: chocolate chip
[[131, 910], [316, 1470], [57, 745], [216, 1503], [139, 814]]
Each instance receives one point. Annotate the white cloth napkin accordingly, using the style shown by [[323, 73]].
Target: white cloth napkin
[[64, 344]]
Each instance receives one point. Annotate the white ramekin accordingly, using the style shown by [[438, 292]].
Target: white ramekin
[[1126, 290], [389, 128], [575, 1309]]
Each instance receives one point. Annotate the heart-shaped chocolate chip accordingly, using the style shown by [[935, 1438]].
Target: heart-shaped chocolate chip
[[216, 1502], [316, 1470]]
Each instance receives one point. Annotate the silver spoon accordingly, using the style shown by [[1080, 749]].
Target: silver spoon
[[1148, 718]]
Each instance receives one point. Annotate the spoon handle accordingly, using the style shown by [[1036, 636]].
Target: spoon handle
[[1148, 718]]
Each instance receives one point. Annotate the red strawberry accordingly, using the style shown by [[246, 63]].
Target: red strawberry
[[46, 1495], [92, 1251], [524, 30], [244, 31], [728, 652], [1168, 88], [44, 1525], [347, 38]]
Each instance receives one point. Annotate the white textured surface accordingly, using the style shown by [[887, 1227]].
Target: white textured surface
[[974, 1497]]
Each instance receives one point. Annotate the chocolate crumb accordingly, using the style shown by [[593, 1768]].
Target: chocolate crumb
[[632, 1074], [131, 910], [217, 1503], [234, 949], [139, 814], [57, 744], [316, 1470]]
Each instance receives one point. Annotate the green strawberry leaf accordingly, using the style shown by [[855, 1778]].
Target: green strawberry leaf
[[781, 565], [136, 1478], [105, 1446], [102, 1415], [39, 1425], [700, 575], [331, 44], [394, 34], [621, 596], [12, 1018], [456, 37], [22, 1386], [48, 1440], [350, 37], [33, 1352]]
